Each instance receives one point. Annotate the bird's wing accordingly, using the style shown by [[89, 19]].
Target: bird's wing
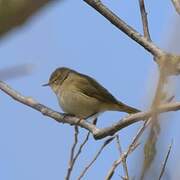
[[92, 88]]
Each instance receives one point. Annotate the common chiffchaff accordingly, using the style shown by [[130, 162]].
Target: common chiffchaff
[[82, 96]]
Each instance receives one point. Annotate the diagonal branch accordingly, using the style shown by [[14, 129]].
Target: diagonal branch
[[171, 61], [128, 30], [130, 149], [95, 158]]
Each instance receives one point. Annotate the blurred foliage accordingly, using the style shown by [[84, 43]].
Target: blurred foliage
[[15, 12], [16, 71]]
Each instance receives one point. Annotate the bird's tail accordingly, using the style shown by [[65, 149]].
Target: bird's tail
[[128, 109]]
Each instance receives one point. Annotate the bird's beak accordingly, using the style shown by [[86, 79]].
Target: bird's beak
[[47, 84]]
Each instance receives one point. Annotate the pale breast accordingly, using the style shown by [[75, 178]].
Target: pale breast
[[76, 103]]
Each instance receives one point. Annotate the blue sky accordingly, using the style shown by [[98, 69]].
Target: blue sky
[[73, 34]]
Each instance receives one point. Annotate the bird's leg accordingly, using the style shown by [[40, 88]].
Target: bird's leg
[[95, 120]]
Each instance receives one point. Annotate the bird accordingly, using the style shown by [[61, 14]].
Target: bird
[[82, 96]]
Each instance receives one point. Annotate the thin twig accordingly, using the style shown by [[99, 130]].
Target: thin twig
[[125, 168], [165, 161], [144, 20], [79, 151], [81, 147], [169, 99], [70, 164], [76, 132], [130, 149], [95, 157], [83, 143]]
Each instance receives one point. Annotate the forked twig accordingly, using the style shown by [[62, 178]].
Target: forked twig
[[82, 144], [73, 156], [165, 161], [125, 168], [130, 149], [95, 157]]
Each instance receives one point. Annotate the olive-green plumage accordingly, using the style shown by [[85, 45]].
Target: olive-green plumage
[[82, 96]]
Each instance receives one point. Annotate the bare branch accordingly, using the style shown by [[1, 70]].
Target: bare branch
[[171, 61], [71, 163], [165, 162], [95, 158], [144, 19], [176, 4], [97, 133]]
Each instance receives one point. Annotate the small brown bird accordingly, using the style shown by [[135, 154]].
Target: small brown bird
[[82, 96]]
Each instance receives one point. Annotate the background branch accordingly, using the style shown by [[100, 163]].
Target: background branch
[[176, 4], [130, 149], [95, 158]]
